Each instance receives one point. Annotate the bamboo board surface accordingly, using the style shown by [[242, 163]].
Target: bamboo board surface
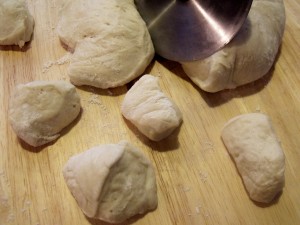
[[197, 181]]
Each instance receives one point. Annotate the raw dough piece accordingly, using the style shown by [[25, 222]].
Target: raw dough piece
[[16, 23], [112, 182], [111, 41], [39, 110], [150, 110], [252, 143], [249, 56]]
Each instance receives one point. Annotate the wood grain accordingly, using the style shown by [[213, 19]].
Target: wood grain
[[197, 181]]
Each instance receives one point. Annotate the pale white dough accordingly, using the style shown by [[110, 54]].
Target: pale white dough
[[112, 182], [251, 141], [249, 56], [16, 23], [150, 110], [111, 42], [39, 110]]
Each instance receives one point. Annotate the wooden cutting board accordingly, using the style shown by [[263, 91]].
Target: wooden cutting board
[[197, 180]]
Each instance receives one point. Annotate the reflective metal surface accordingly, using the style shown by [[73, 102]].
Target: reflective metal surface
[[187, 30]]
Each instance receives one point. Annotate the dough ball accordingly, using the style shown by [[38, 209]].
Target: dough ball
[[111, 41], [112, 182], [16, 23], [39, 110], [253, 145], [249, 56], [150, 110]]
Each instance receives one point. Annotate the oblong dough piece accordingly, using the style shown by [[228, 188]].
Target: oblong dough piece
[[253, 145], [112, 182], [249, 56], [150, 110], [16, 23], [111, 41], [39, 110]]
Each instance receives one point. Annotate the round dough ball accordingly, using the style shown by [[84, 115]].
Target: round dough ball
[[39, 110], [112, 182], [16, 23], [249, 56], [111, 43]]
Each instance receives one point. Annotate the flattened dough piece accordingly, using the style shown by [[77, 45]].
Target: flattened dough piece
[[112, 182], [150, 110], [249, 56], [253, 145], [111, 41], [39, 110], [16, 23]]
